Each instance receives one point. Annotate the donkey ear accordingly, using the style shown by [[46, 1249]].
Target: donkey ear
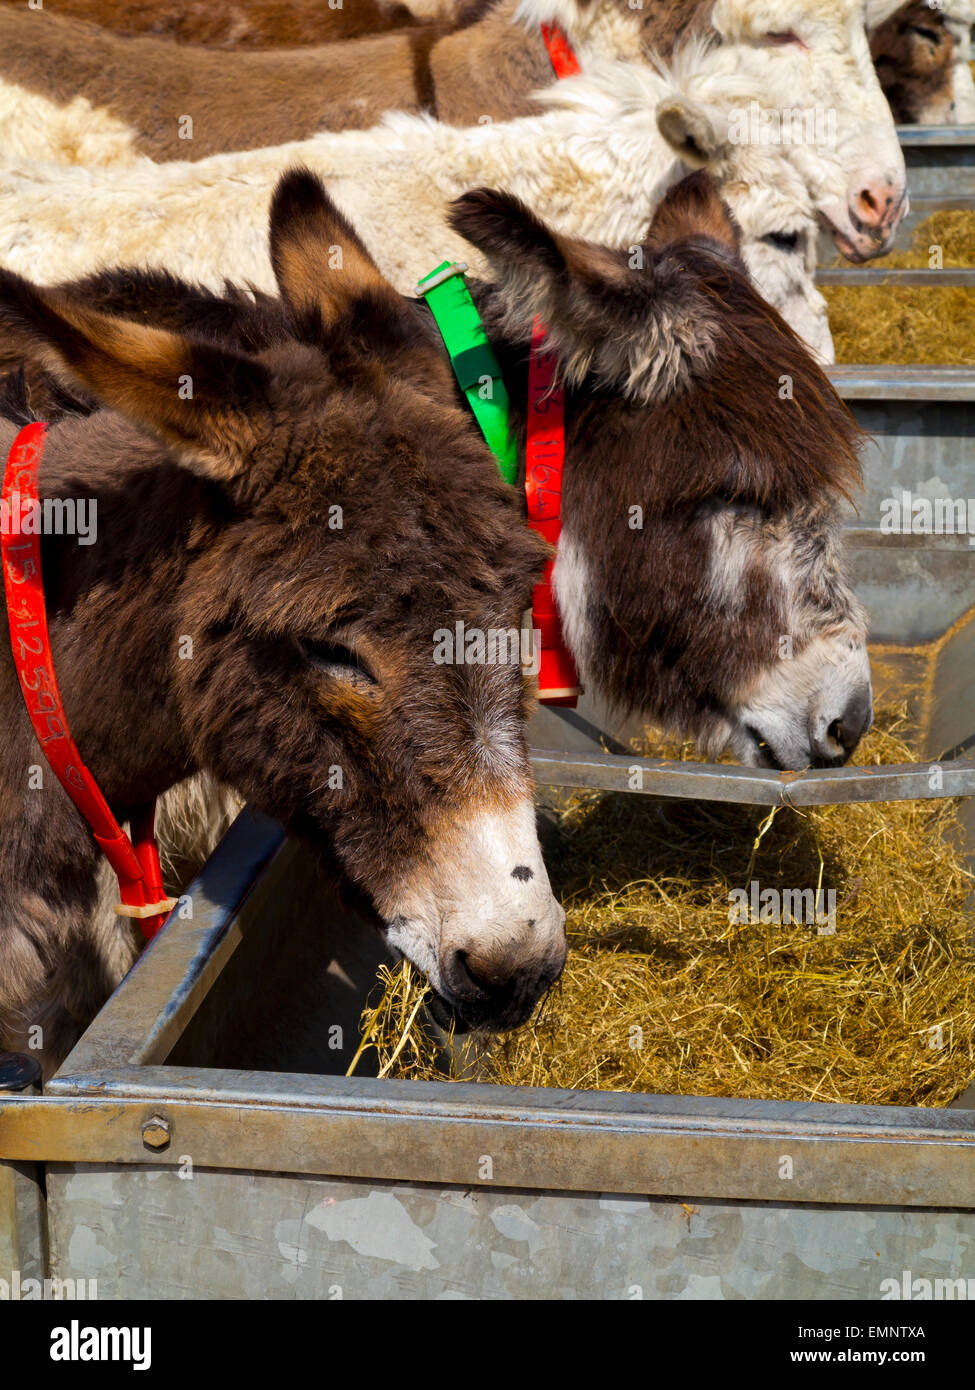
[[500, 225], [201, 398], [515, 241], [693, 207], [690, 131], [321, 264]]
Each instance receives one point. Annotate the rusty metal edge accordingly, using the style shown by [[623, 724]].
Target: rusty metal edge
[[618, 772], [373, 1130]]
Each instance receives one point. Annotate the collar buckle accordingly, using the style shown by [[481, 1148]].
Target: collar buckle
[[439, 276]]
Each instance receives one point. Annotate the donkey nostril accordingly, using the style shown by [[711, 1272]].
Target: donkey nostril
[[840, 734], [485, 976], [848, 728]]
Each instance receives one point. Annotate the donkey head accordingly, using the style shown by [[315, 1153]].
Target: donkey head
[[329, 523], [771, 206], [699, 572], [802, 64], [822, 85], [914, 54]]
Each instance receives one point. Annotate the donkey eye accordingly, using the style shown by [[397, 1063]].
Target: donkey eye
[[785, 241], [929, 34], [780, 39], [334, 659]]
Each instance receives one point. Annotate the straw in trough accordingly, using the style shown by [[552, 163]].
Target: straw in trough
[[670, 987], [904, 324]]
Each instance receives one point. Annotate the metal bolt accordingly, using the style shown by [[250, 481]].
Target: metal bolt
[[155, 1133]]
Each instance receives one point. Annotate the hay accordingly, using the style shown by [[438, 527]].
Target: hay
[[662, 993], [901, 325]]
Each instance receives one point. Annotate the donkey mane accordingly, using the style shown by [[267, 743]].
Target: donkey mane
[[17, 393]]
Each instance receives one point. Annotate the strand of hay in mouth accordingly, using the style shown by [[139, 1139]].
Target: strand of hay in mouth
[[901, 325], [662, 993], [397, 1017]]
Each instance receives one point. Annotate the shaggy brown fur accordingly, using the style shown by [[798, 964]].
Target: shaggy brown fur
[[486, 66], [238, 23], [674, 378], [310, 645], [719, 436], [914, 53]]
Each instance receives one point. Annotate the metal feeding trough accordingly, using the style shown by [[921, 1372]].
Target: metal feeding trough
[[940, 160], [202, 1139]]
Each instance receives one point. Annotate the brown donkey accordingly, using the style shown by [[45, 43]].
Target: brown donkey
[[274, 559], [700, 572], [914, 54], [248, 23]]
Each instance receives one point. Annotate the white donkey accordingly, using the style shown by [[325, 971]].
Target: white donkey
[[595, 164], [803, 59]]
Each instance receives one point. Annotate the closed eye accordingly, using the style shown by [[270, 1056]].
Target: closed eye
[[932, 36], [784, 241], [779, 39], [336, 660]]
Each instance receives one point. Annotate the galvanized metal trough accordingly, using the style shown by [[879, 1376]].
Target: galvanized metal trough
[[203, 1141]]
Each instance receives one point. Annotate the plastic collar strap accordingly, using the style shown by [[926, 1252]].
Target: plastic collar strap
[[472, 358], [475, 365], [558, 679], [137, 866], [563, 59]]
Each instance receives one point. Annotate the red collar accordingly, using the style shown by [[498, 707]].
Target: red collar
[[563, 59], [136, 862], [558, 679]]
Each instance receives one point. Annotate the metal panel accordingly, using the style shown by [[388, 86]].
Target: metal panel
[[940, 160], [861, 277], [22, 1222], [147, 1233]]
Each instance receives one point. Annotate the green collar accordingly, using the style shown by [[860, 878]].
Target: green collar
[[472, 358]]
